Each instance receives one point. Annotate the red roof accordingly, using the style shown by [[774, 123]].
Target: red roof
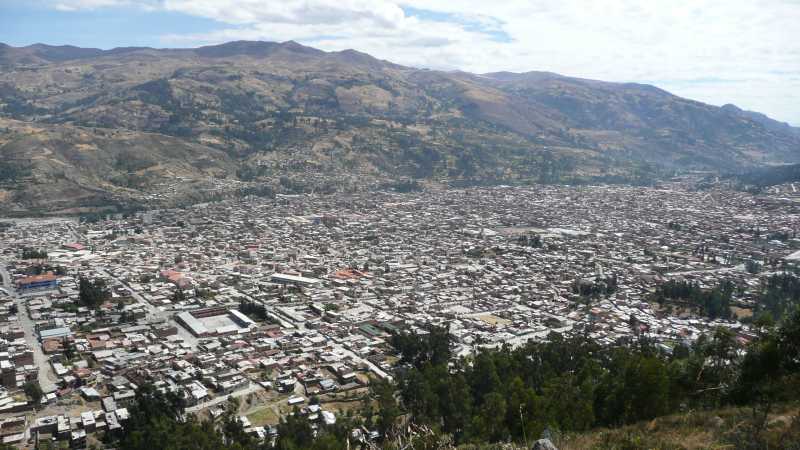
[[172, 275], [37, 279], [347, 274]]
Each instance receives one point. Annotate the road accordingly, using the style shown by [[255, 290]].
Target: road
[[5, 276], [338, 348], [155, 313], [253, 387], [47, 377], [738, 268]]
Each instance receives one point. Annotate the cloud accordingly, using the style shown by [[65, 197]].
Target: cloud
[[314, 12], [617, 40], [77, 5]]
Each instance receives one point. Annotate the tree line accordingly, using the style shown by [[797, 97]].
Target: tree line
[[595, 288], [714, 303], [253, 309], [564, 384], [572, 384], [158, 421], [779, 294], [32, 253]]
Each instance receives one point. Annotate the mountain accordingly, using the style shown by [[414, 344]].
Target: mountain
[[770, 124], [259, 116], [767, 176]]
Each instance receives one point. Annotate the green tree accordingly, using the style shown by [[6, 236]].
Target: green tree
[[294, 433], [489, 422], [92, 294], [34, 391], [388, 411]]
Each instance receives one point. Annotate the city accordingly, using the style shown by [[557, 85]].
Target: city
[[292, 301]]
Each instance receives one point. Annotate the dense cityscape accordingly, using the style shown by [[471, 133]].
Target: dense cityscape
[[292, 302]]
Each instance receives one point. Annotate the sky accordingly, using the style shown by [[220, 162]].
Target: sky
[[745, 52]]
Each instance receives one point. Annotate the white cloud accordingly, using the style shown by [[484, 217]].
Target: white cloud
[[671, 43], [76, 5]]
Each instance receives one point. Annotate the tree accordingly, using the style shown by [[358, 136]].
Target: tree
[[770, 372], [232, 428], [157, 421], [32, 253], [253, 309], [489, 423], [569, 384], [752, 267], [779, 294], [69, 348], [178, 296], [388, 411], [34, 391], [416, 349], [714, 303], [92, 294], [294, 432]]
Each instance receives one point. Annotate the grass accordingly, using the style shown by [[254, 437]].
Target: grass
[[727, 428], [263, 416]]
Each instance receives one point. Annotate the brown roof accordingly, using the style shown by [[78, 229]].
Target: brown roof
[[37, 278], [52, 345]]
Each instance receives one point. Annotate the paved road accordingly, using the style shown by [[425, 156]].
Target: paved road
[[377, 370], [739, 268], [155, 313], [5, 276], [47, 377], [253, 387]]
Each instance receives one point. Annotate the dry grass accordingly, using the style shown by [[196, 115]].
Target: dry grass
[[494, 320], [720, 429], [263, 416], [741, 313]]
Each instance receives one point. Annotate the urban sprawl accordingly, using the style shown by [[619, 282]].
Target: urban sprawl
[[290, 302]]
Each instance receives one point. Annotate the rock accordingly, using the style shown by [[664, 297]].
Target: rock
[[717, 422], [543, 444]]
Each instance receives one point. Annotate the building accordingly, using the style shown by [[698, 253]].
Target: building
[[283, 278], [214, 322], [37, 282], [54, 333]]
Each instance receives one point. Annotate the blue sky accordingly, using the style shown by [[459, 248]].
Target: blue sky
[[717, 51], [25, 24]]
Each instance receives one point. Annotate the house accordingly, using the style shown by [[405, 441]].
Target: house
[[37, 282]]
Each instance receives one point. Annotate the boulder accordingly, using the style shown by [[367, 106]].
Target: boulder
[[543, 444]]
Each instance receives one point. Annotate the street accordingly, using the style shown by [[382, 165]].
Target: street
[[6, 278], [156, 314], [253, 387], [47, 377]]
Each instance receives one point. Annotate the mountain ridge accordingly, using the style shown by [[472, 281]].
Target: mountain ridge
[[297, 118]]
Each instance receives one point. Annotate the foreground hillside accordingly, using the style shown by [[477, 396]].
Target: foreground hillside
[[718, 393], [259, 111], [696, 430], [728, 428]]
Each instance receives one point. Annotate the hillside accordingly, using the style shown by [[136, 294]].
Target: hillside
[[300, 119], [693, 430], [768, 176]]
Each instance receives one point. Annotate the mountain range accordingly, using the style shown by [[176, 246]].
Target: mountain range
[[86, 129]]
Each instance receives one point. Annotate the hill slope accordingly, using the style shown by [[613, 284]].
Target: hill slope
[[260, 111]]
